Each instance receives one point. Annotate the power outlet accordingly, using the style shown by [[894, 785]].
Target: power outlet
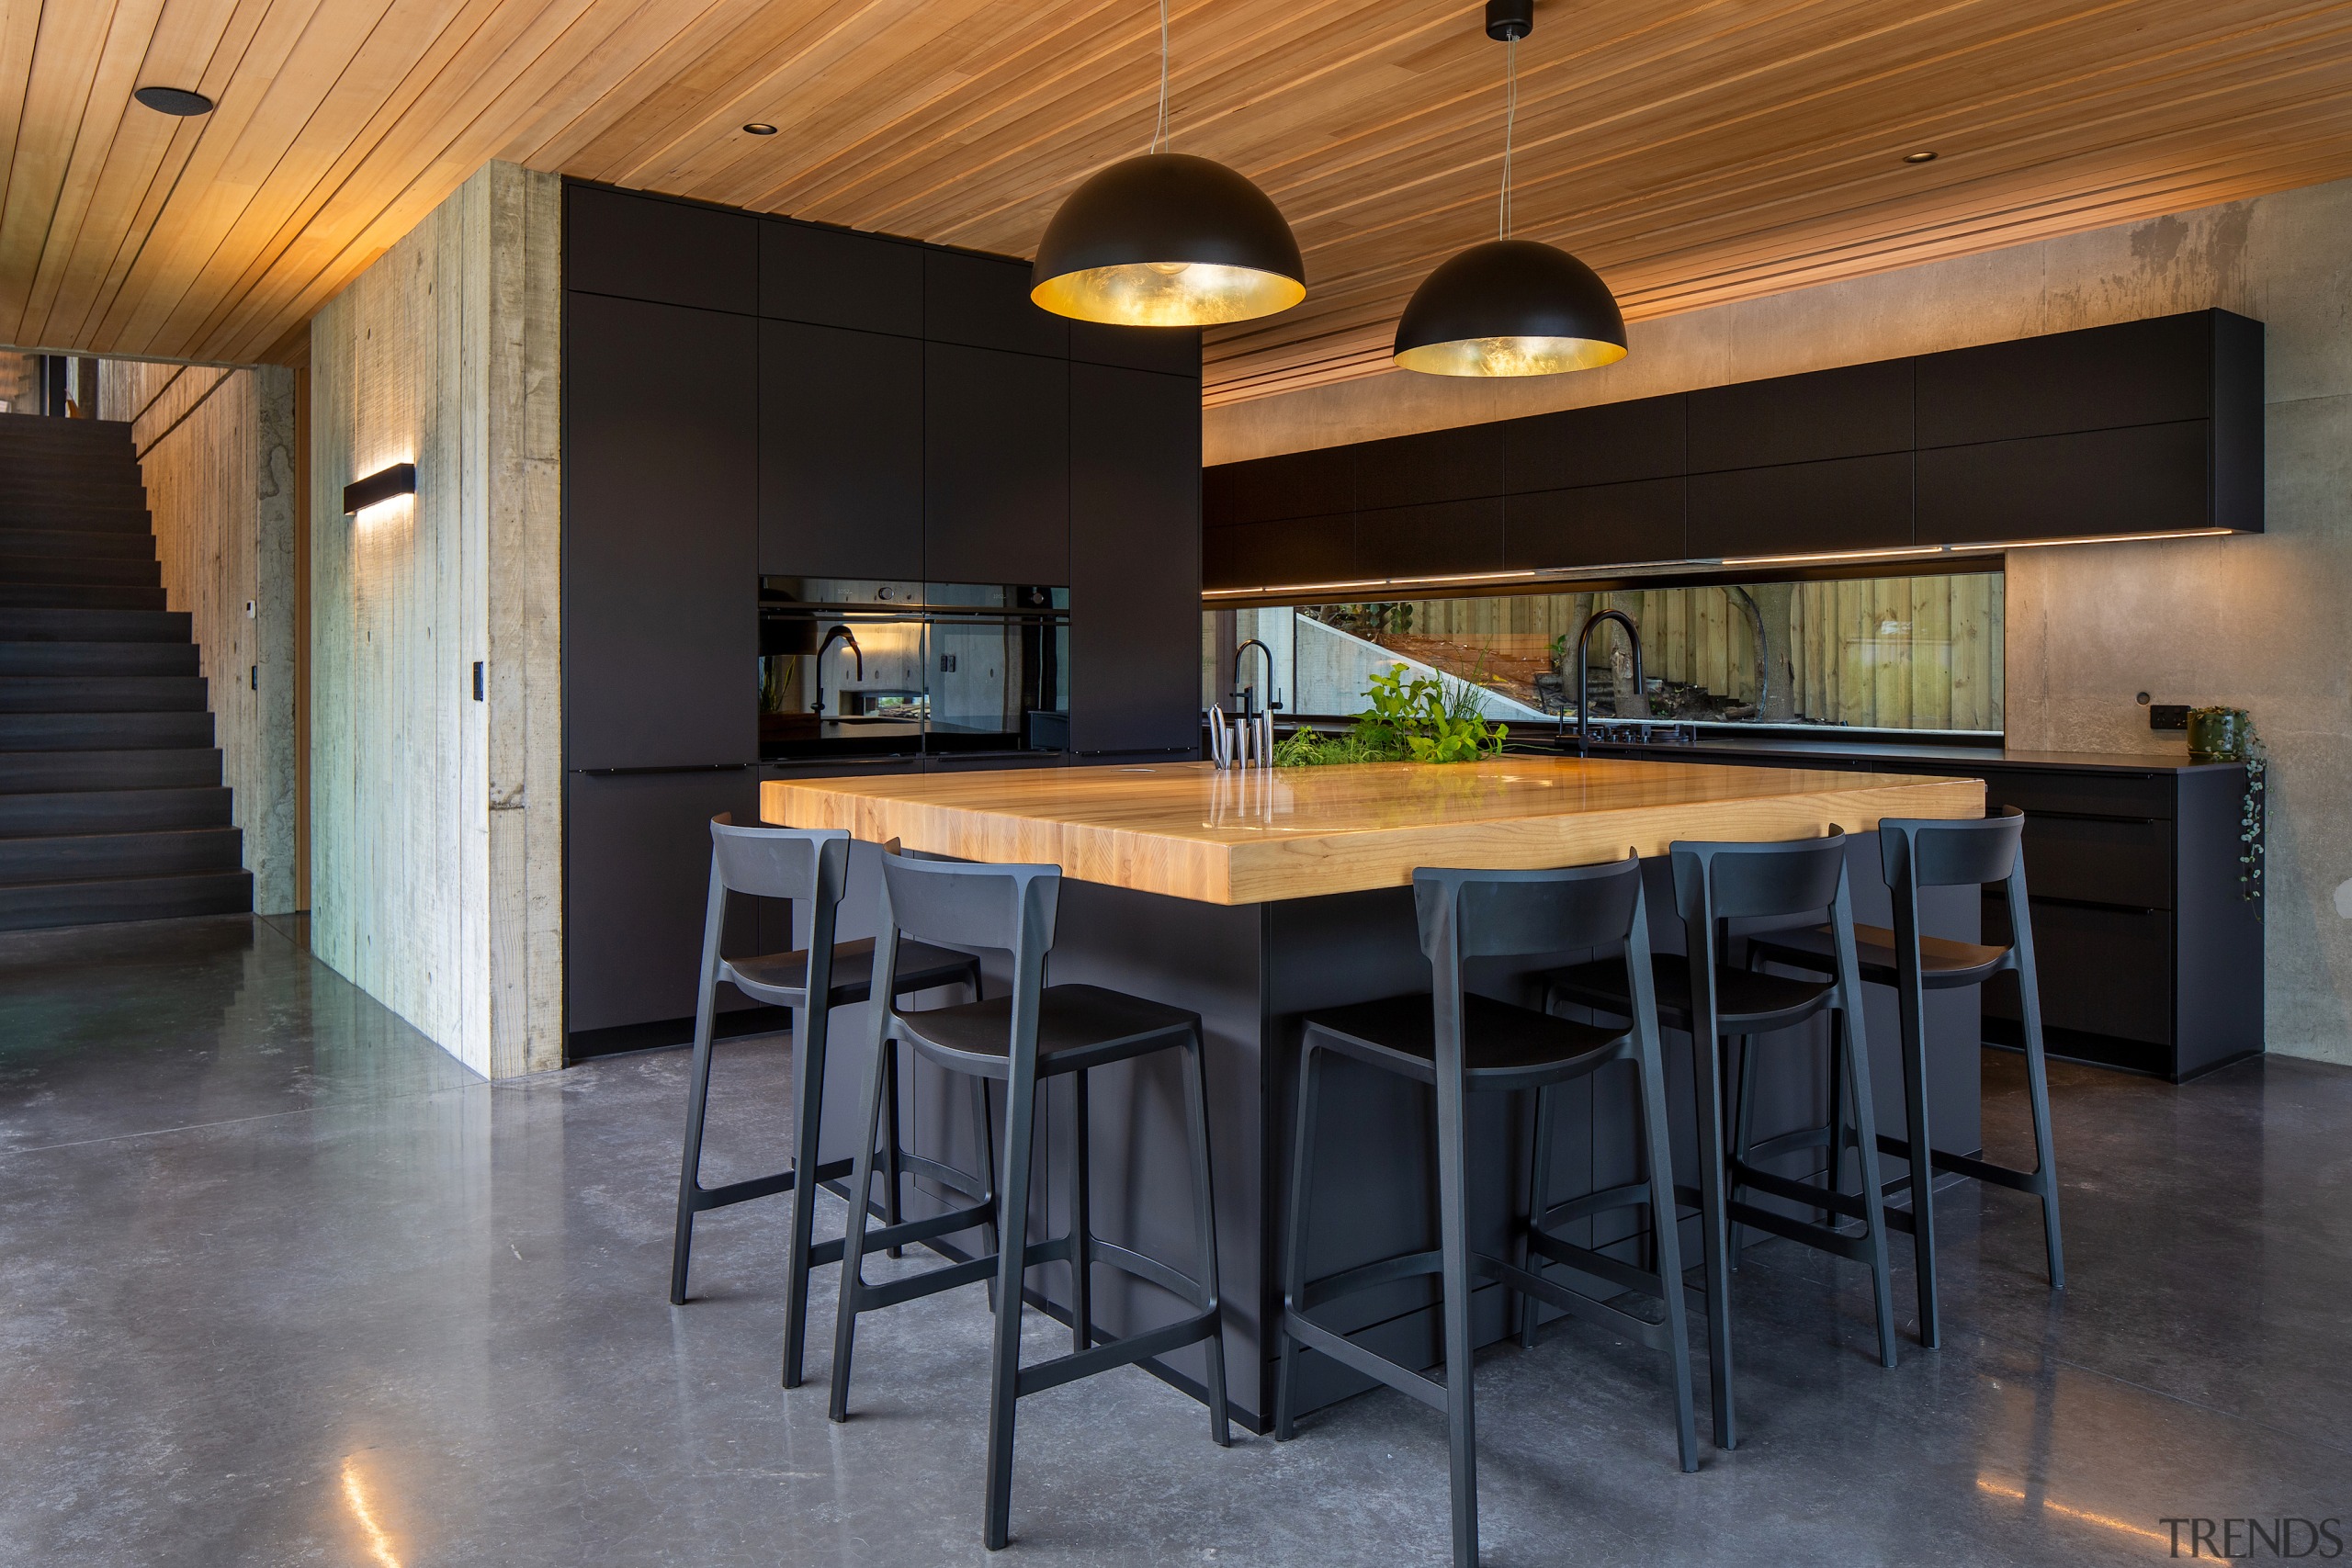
[[2167, 715]]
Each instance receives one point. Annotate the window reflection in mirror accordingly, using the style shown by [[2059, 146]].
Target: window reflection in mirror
[[1886, 653]]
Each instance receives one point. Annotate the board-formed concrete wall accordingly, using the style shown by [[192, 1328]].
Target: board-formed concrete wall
[[436, 822], [2262, 622], [216, 448]]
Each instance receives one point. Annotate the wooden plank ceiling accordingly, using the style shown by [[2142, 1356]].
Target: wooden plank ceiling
[[1693, 151]]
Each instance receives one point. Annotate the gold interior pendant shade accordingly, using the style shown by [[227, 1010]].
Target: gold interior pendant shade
[[1509, 307], [1166, 240]]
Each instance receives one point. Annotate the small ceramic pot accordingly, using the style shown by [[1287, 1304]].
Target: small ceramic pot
[[2218, 735]]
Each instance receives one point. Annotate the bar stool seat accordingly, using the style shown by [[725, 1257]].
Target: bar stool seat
[[1077, 1027], [1504, 1048], [1945, 964], [1744, 1001], [782, 979]]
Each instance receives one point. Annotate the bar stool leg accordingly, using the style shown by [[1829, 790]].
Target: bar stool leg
[[1913, 1014], [890, 1142], [1714, 1241], [690, 1163], [1013, 1251], [1857, 1070], [1666, 1242], [1081, 1224], [861, 1184], [1539, 1198], [809, 1029], [1196, 1117], [1302, 1176], [984, 1150], [1743, 1120], [1453, 1244], [2037, 1077]]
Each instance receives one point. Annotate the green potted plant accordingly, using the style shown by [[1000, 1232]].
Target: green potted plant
[[2227, 735]]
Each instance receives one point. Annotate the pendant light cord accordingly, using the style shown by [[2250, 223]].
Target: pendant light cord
[[1510, 116], [1159, 126]]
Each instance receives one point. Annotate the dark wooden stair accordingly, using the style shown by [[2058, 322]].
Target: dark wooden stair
[[112, 801]]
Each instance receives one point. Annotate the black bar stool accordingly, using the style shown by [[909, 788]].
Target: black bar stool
[[1706, 997], [1038, 1032], [809, 865], [1925, 852], [1461, 1043]]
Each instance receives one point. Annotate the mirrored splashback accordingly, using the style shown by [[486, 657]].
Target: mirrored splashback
[[1885, 653], [857, 667]]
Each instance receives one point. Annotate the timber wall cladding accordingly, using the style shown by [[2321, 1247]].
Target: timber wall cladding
[[216, 450], [435, 819]]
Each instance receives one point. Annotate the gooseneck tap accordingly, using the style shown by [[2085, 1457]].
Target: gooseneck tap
[[846, 637], [1584, 675], [1247, 738]]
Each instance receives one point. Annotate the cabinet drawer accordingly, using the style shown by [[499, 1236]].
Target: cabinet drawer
[[2102, 860], [2085, 794], [2103, 971]]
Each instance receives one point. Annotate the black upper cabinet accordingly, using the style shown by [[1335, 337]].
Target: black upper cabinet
[[996, 467], [835, 278], [1320, 483], [984, 302], [1463, 464], [1648, 438], [1135, 549], [1431, 540], [659, 535], [1852, 412], [2150, 478], [647, 247], [841, 453], [1172, 351], [1615, 525], [1279, 553], [2152, 372], [1850, 504]]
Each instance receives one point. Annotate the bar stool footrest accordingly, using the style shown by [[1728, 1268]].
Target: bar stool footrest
[[701, 1198], [1313, 1335], [1804, 1233], [1123, 1352], [1111, 1255], [1846, 1203], [1633, 1195], [2028, 1182]]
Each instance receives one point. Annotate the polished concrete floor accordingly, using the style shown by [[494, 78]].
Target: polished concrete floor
[[281, 1283]]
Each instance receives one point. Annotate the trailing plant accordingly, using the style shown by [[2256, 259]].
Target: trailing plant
[[2244, 745], [1408, 717]]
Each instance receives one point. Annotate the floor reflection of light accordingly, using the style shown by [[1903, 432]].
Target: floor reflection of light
[[378, 1543], [2104, 1521]]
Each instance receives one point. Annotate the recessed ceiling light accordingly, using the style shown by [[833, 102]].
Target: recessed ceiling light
[[1919, 157], [174, 100], [761, 127]]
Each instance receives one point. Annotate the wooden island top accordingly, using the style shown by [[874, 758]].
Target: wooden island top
[[1188, 831]]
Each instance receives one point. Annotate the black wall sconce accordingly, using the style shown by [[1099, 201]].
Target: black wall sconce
[[361, 494]]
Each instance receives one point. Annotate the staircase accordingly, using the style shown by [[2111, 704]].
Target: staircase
[[111, 804]]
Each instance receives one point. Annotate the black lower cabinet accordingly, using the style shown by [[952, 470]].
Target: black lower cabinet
[[636, 862], [1135, 562]]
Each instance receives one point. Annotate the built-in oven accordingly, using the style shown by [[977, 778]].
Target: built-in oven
[[873, 669]]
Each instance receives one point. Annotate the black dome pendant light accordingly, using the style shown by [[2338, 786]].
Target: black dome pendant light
[[1166, 240], [1510, 307]]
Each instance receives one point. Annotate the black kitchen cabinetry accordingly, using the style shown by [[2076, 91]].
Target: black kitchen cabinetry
[[747, 395], [2145, 427], [2150, 952], [1135, 561], [659, 535], [996, 449], [841, 453]]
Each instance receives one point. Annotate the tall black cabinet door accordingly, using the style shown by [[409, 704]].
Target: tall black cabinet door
[[996, 467], [1134, 557], [841, 453], [660, 582]]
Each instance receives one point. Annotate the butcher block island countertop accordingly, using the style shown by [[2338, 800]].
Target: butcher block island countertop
[[1188, 831]]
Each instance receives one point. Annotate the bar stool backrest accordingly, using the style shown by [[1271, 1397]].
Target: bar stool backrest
[[958, 904], [1510, 914], [780, 862], [1738, 881], [1933, 852]]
